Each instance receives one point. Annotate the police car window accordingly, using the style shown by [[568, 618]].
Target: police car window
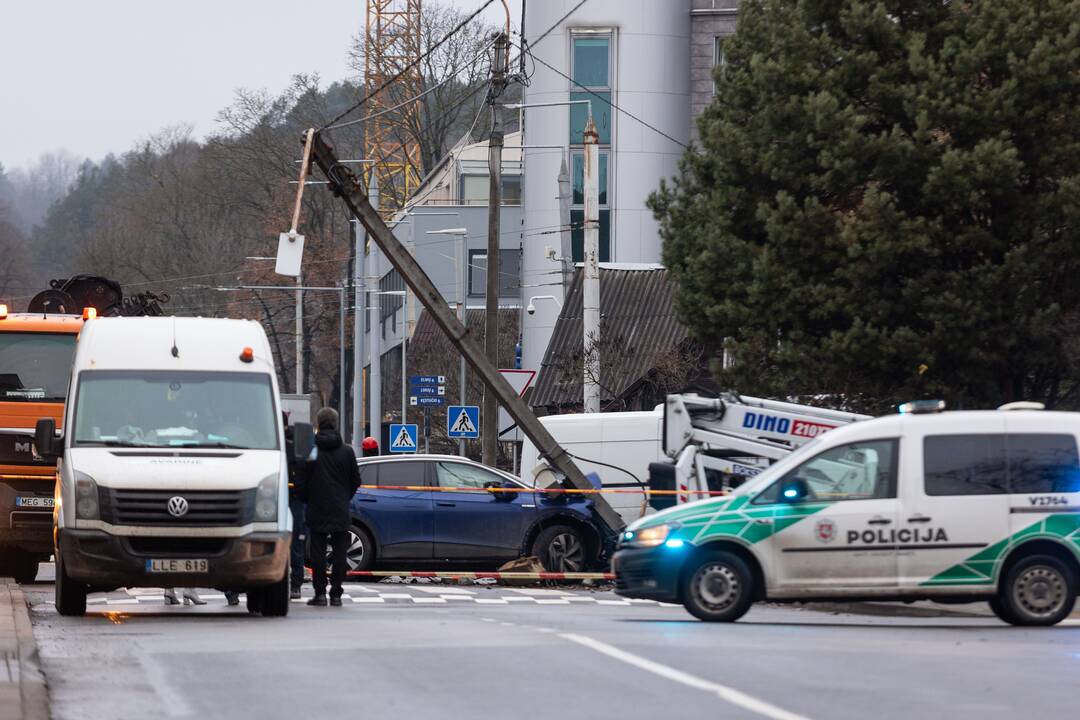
[[462, 475], [858, 471], [1043, 463], [964, 464], [401, 473]]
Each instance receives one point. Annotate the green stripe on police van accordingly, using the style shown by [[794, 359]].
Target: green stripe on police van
[[979, 569], [736, 521]]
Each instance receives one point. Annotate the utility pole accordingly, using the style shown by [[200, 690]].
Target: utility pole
[[359, 313], [591, 271], [375, 378], [566, 245], [489, 426]]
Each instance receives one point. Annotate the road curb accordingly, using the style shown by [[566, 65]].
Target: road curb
[[33, 690]]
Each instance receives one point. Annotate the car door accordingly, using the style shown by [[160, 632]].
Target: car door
[[402, 519], [473, 523], [837, 535]]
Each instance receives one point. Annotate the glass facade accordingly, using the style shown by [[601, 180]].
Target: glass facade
[[591, 63]]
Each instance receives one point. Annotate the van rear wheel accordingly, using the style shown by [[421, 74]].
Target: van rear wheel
[[1037, 590], [70, 596], [718, 587], [275, 598]]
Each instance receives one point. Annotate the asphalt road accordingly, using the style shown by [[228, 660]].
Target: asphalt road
[[427, 651]]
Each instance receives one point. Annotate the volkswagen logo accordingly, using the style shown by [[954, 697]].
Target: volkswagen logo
[[178, 506]]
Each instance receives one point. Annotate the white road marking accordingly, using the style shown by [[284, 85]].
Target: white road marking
[[551, 601], [368, 600], [490, 601], [725, 693], [514, 598], [537, 591], [613, 602], [428, 600], [1070, 622], [437, 590]]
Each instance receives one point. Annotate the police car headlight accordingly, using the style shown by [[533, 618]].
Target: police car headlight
[[266, 498], [651, 536], [86, 497]]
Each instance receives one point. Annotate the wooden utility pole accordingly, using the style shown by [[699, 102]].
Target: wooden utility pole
[[489, 417]]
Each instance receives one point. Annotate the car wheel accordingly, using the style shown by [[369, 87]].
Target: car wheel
[[70, 596], [1038, 590], [998, 606], [561, 548], [361, 552], [718, 587]]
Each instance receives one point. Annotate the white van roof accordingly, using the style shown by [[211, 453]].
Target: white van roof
[[146, 343], [955, 422]]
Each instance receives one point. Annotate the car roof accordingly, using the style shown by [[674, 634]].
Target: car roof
[[955, 422]]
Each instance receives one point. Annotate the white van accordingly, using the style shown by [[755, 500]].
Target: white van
[[954, 506], [171, 467], [623, 443]]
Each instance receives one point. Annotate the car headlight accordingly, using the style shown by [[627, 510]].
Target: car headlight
[[266, 498], [650, 536], [86, 497]]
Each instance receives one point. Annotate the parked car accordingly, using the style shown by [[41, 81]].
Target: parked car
[[483, 526]]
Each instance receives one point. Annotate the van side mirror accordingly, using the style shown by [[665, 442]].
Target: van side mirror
[[303, 441], [795, 490], [45, 440]]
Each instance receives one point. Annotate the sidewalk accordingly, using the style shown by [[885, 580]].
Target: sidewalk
[[23, 695]]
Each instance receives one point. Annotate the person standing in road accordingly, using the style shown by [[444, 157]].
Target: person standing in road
[[329, 480], [297, 508]]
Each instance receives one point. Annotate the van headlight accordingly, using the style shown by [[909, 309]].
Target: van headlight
[[266, 498], [86, 497], [650, 536]]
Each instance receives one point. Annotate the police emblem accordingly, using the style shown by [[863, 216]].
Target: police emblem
[[825, 530]]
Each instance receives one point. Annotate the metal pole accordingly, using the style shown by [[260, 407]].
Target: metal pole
[[299, 336], [404, 378], [375, 376], [342, 416], [359, 300], [566, 246], [591, 272], [463, 265]]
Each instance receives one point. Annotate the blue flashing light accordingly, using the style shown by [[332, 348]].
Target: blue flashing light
[[790, 493], [674, 543], [628, 535]]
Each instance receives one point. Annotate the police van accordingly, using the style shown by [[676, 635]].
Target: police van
[[925, 505]]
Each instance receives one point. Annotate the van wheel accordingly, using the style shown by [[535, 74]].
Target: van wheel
[[70, 596], [560, 548], [24, 568], [275, 598], [1038, 590], [1001, 610], [254, 600], [718, 587]]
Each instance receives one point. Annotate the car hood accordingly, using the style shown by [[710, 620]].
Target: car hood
[[179, 470]]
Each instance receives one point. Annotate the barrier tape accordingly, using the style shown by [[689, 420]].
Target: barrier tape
[[562, 491], [482, 575]]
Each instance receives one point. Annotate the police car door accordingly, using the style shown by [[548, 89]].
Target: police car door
[[954, 498], [832, 519]]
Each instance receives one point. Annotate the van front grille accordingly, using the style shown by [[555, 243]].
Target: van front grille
[[205, 508]]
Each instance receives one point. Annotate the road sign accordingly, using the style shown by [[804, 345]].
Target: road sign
[[463, 421], [427, 390], [426, 401], [402, 438], [427, 379], [520, 380]]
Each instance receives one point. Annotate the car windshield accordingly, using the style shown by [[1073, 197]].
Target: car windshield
[[778, 469], [175, 409], [34, 367]]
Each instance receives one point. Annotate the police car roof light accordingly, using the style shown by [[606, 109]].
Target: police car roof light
[[1023, 405], [921, 407]]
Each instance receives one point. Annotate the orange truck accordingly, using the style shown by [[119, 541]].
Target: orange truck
[[36, 351]]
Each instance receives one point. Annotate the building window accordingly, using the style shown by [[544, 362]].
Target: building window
[[591, 70], [509, 273], [577, 212], [476, 188], [390, 304], [719, 60]]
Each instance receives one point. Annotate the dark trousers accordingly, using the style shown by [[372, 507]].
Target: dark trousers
[[299, 540], [339, 542]]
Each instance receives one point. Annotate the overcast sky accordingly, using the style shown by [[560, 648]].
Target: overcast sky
[[97, 76]]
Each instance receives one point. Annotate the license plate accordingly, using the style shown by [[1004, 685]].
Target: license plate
[[177, 565], [35, 502]]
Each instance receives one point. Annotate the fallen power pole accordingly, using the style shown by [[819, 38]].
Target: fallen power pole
[[345, 185]]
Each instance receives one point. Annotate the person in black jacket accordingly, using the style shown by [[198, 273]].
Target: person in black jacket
[[330, 479], [297, 509]]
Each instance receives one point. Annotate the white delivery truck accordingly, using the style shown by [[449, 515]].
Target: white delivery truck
[[171, 469], [623, 444]]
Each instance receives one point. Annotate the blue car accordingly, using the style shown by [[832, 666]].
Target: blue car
[[481, 526]]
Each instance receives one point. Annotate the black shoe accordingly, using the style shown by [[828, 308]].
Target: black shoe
[[317, 601], [335, 601], [233, 598], [294, 594]]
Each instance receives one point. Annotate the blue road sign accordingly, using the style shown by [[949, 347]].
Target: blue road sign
[[427, 379], [426, 401], [402, 438], [427, 390], [463, 421]]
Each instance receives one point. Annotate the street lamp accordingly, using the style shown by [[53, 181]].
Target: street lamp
[[462, 264]]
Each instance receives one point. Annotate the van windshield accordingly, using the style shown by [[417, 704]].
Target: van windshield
[[34, 367], [138, 408]]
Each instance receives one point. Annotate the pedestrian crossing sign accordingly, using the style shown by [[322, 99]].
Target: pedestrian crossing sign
[[463, 421], [402, 438]]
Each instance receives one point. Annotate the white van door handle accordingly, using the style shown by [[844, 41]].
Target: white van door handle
[[918, 518], [878, 521]]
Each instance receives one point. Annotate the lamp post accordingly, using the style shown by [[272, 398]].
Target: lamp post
[[462, 264]]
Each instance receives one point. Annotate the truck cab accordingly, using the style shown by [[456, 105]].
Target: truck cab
[[172, 468], [950, 506], [36, 351]]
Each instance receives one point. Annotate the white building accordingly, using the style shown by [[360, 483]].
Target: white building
[[635, 55]]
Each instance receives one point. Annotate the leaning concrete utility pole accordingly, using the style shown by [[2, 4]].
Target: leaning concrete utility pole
[[344, 184], [489, 426], [375, 376], [591, 272], [359, 313]]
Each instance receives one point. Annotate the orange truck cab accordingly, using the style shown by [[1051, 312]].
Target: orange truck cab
[[36, 352]]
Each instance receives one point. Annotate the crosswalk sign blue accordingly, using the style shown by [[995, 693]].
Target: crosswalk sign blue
[[402, 438], [463, 421]]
